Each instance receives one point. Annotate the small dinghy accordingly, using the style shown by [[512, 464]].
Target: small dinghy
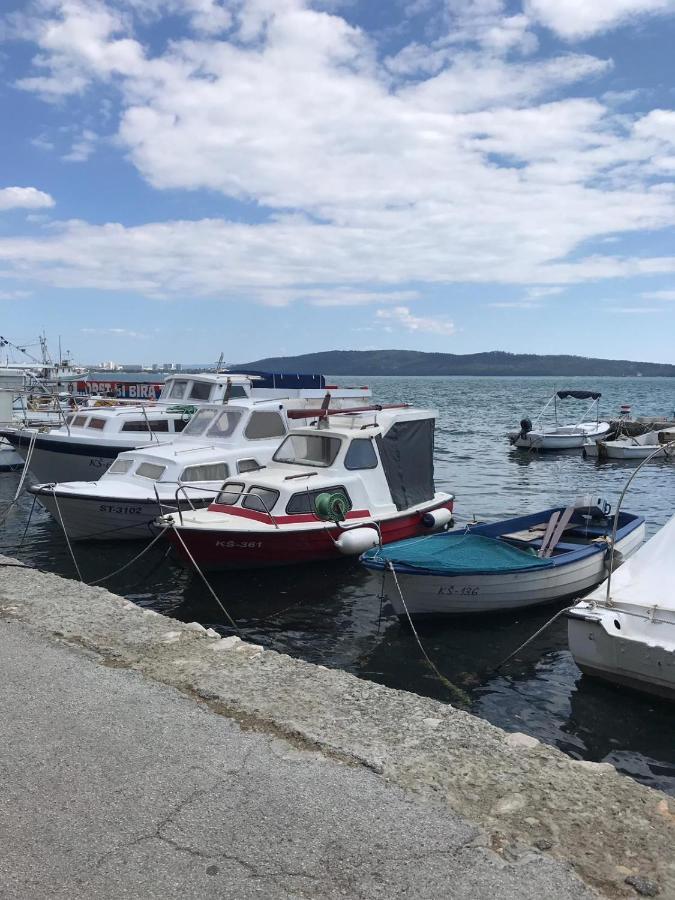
[[639, 447], [630, 638], [561, 437], [516, 563]]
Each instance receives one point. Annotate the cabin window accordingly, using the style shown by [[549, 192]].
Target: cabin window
[[225, 424], [146, 425], [308, 450], [230, 493], [98, 424], [207, 472], [200, 421], [260, 499], [305, 501], [361, 455], [120, 467], [151, 471], [248, 465], [237, 392], [179, 425], [201, 390], [265, 425], [79, 421], [178, 389]]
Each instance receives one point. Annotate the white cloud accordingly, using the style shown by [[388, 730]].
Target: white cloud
[[575, 19], [14, 295], [375, 175], [515, 304], [658, 295], [635, 310], [24, 198], [113, 332], [82, 148], [401, 315]]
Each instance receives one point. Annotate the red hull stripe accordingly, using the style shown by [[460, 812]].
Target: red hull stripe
[[277, 547], [281, 520]]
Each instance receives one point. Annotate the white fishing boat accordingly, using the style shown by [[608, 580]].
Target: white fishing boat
[[536, 436], [11, 381], [513, 564], [334, 488], [629, 637], [85, 446], [638, 447], [219, 442]]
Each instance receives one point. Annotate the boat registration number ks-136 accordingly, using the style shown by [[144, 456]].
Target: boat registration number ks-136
[[451, 591]]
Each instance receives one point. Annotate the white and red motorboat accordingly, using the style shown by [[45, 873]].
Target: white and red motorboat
[[338, 486]]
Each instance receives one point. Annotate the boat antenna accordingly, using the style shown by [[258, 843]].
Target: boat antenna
[[663, 448]]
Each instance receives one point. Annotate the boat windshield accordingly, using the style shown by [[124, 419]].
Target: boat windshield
[[200, 421], [308, 450]]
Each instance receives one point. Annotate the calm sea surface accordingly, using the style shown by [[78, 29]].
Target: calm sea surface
[[332, 614]]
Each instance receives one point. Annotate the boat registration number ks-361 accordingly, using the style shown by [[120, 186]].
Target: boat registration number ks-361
[[239, 545], [451, 591]]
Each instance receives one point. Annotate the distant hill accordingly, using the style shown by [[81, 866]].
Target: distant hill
[[414, 362]]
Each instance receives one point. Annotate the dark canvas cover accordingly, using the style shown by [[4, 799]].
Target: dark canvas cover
[[407, 454]]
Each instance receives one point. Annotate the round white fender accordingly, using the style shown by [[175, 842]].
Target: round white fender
[[437, 518], [357, 541]]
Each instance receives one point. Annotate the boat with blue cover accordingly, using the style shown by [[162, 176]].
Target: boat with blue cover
[[544, 557]]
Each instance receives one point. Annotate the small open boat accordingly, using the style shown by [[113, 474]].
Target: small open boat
[[639, 447], [512, 564], [630, 638], [560, 437]]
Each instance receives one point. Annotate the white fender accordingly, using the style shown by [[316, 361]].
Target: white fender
[[437, 518], [357, 541]]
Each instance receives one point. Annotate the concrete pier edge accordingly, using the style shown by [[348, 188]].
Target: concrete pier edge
[[526, 796]]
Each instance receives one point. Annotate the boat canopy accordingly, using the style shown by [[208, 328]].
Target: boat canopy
[[457, 553], [580, 395], [407, 454], [284, 380]]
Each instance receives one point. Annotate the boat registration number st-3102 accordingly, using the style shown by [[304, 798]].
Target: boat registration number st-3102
[[121, 510], [239, 545], [467, 590]]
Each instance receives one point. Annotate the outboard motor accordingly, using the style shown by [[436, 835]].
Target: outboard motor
[[525, 428]]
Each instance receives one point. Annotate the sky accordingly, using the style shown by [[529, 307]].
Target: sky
[[185, 178]]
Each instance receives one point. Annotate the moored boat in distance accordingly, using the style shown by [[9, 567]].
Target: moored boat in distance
[[534, 436], [220, 441], [633, 447], [516, 563], [352, 479], [629, 638]]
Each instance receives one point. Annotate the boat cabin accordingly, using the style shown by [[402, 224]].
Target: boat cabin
[[371, 464]]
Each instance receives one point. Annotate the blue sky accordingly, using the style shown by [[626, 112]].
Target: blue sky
[[181, 178]]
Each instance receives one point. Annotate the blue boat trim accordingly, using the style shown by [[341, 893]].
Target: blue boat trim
[[407, 560]]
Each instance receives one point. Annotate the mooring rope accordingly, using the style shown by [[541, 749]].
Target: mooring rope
[[22, 479], [204, 579], [456, 692], [131, 561], [65, 533], [535, 635]]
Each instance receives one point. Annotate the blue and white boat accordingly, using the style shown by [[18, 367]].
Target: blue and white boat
[[544, 557]]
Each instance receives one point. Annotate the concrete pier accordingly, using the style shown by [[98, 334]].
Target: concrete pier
[[142, 757]]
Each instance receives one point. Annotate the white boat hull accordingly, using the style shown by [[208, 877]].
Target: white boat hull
[[625, 646], [434, 595], [111, 519], [565, 438], [10, 461]]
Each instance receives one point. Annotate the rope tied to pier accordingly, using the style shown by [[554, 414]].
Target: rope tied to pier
[[22, 480], [456, 692]]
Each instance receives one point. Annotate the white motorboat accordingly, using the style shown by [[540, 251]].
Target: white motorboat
[[334, 488], [220, 442], [629, 638], [627, 447], [535, 436], [513, 564], [86, 445]]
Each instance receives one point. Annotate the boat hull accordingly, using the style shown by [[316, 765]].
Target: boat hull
[[573, 440], [10, 461], [108, 518], [625, 648], [214, 549], [438, 595], [53, 461]]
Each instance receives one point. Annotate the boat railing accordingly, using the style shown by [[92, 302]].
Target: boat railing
[[183, 489]]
